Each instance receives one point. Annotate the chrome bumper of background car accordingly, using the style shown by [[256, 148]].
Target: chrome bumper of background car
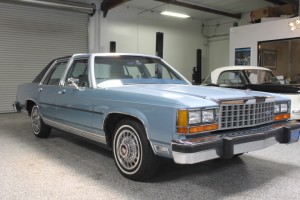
[[296, 111], [225, 145]]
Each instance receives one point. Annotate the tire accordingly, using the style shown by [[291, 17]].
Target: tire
[[132, 151], [233, 157], [39, 128], [237, 155]]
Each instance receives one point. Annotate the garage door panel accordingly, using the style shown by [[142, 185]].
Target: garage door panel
[[29, 38]]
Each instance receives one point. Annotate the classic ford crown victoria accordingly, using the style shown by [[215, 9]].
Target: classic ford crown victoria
[[255, 78], [142, 109]]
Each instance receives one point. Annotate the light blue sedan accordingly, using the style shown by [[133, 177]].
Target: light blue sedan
[[143, 109]]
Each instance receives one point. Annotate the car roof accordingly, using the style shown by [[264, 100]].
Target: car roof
[[114, 54], [216, 73], [240, 67]]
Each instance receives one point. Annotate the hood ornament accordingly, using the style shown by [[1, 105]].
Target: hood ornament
[[248, 91]]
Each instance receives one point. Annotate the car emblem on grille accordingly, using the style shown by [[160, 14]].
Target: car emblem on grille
[[268, 112], [248, 91]]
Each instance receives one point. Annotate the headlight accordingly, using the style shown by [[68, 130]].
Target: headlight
[[201, 116], [277, 108], [282, 111], [196, 121], [281, 108], [195, 117], [208, 116]]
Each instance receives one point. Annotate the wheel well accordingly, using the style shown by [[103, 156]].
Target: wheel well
[[110, 124], [29, 105]]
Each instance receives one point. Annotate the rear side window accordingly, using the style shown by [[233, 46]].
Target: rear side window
[[231, 78], [53, 77], [40, 76]]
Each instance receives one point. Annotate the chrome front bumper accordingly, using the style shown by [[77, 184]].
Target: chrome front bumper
[[227, 144]]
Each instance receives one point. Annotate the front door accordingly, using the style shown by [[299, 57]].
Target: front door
[[74, 103]]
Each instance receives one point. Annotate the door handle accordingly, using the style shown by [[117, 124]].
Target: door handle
[[62, 92]]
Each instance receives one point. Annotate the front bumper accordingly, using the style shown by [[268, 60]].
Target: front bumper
[[227, 144]]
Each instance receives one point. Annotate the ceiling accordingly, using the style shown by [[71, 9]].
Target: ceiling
[[231, 7], [197, 9]]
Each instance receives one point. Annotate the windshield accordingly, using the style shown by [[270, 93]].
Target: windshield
[[135, 70], [261, 77]]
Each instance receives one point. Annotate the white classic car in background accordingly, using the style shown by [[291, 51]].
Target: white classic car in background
[[255, 78]]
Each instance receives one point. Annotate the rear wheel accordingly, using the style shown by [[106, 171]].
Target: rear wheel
[[39, 128], [132, 151]]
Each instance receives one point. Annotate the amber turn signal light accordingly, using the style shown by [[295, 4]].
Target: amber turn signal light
[[282, 116], [197, 129]]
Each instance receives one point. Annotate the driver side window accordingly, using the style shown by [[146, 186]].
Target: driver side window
[[79, 73]]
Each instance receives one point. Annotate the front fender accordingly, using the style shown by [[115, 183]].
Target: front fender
[[159, 123]]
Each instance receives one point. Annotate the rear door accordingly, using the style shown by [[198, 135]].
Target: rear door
[[48, 89]]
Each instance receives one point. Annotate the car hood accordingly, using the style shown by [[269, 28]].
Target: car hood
[[188, 94]]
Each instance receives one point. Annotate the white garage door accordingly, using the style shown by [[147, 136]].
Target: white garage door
[[30, 37]]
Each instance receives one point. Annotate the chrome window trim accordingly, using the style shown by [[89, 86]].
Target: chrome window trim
[[50, 68], [92, 71], [69, 64]]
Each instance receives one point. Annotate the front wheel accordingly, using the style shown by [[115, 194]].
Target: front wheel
[[132, 151], [39, 128], [237, 155]]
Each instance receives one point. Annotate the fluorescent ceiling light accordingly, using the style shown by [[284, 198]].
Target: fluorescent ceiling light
[[174, 14]]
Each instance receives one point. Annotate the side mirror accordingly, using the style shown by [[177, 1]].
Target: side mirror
[[73, 82]]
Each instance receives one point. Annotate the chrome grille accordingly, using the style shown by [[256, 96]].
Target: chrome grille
[[245, 115]]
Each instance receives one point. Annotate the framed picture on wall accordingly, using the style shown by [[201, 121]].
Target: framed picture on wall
[[242, 56], [269, 58]]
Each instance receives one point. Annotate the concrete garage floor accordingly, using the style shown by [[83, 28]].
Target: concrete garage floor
[[67, 167]]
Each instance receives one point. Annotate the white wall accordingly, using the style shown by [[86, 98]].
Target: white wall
[[218, 55], [136, 33], [250, 35], [218, 36]]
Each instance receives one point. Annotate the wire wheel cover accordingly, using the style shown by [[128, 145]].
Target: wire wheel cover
[[36, 121], [127, 149]]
